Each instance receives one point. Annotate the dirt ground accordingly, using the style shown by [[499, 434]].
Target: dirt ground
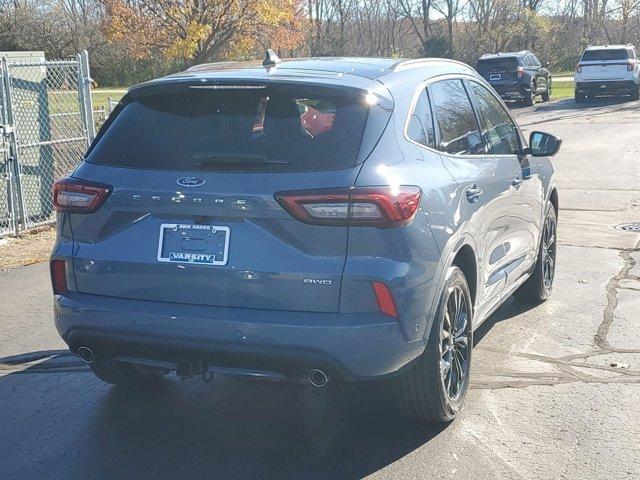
[[30, 247]]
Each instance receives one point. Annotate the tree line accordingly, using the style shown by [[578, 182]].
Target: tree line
[[133, 40]]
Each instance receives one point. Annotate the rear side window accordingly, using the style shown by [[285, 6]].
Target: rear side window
[[257, 129], [498, 130], [532, 61], [459, 131], [604, 55], [420, 126], [489, 65]]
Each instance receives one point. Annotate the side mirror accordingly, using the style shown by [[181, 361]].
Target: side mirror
[[543, 144], [545, 64]]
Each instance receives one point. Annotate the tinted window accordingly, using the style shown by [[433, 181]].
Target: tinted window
[[420, 127], [505, 64], [603, 55], [459, 132], [499, 131], [250, 129]]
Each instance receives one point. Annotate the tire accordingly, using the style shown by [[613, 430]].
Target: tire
[[530, 100], [539, 285], [579, 97], [423, 392], [119, 373], [547, 94]]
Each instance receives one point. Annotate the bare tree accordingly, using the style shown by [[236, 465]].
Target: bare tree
[[418, 15]]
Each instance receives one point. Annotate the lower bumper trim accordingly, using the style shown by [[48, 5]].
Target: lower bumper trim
[[606, 87], [219, 357]]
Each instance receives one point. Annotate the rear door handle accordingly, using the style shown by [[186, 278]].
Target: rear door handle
[[473, 193], [517, 181]]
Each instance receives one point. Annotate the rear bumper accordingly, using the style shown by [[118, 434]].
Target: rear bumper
[[606, 87], [346, 346], [512, 90]]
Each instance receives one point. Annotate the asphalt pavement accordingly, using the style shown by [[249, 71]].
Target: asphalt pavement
[[555, 389]]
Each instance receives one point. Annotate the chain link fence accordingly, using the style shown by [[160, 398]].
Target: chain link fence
[[47, 120], [100, 114]]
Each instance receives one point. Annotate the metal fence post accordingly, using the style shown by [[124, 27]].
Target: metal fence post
[[86, 101], [13, 164], [11, 225]]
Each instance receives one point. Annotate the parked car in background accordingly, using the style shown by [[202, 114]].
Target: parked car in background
[[208, 230], [516, 76], [608, 70]]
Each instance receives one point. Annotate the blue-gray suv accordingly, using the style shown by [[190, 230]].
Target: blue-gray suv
[[315, 221]]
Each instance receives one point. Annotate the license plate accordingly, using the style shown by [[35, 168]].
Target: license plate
[[495, 76], [196, 244]]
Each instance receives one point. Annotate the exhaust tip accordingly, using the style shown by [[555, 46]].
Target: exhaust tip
[[318, 378], [85, 354]]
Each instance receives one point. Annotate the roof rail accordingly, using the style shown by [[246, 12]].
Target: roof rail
[[417, 61], [408, 61]]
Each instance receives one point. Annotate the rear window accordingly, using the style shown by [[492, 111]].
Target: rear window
[[497, 65], [236, 129], [604, 55]]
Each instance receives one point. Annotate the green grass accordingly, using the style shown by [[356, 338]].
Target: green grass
[[564, 73], [100, 96], [562, 90]]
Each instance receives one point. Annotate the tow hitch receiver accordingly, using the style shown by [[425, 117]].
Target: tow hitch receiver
[[187, 369]]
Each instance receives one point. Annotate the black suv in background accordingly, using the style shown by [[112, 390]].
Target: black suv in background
[[516, 76]]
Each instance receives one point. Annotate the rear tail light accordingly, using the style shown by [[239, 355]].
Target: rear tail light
[[382, 207], [79, 196], [630, 66], [578, 68], [520, 72], [58, 276], [385, 300]]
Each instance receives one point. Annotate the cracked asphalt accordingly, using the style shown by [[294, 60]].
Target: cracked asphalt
[[555, 392]]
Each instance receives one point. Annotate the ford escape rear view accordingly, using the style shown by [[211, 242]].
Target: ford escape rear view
[[315, 221]]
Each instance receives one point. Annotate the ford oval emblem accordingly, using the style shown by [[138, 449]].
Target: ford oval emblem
[[190, 181]]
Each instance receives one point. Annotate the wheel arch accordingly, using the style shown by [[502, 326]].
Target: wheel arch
[[465, 259], [461, 253], [553, 198]]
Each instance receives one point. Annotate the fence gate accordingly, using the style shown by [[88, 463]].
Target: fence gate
[[47, 124]]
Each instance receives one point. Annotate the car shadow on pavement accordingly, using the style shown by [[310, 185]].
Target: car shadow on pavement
[[59, 421], [509, 309], [598, 102], [568, 104], [53, 408]]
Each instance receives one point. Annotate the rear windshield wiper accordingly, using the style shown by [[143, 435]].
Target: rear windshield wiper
[[206, 161]]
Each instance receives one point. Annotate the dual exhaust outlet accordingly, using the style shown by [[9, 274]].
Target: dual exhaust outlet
[[86, 355], [316, 377]]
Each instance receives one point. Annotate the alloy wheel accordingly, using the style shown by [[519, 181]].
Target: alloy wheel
[[454, 344], [548, 252]]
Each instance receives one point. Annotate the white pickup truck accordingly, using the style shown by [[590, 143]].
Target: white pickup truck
[[608, 70]]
